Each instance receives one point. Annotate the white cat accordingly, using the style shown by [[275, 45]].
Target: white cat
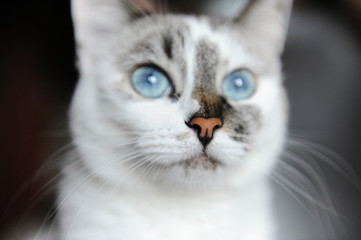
[[177, 122]]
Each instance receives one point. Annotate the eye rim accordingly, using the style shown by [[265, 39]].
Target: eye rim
[[255, 79], [159, 69]]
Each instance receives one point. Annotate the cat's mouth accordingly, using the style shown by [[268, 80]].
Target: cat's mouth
[[203, 161]]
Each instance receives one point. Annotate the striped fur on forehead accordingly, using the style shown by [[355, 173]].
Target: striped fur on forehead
[[158, 44], [205, 73], [206, 63]]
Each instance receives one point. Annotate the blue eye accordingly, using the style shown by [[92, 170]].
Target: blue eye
[[239, 85], [150, 82]]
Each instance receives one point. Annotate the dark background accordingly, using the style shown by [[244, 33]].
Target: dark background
[[322, 63]]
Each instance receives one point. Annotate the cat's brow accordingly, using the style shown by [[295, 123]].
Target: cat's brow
[[167, 46]]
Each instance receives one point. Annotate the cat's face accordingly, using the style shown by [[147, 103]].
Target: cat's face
[[179, 101]]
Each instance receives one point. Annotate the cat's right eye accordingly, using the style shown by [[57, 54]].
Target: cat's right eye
[[150, 82], [239, 85]]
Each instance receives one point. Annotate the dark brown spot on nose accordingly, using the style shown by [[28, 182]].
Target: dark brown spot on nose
[[205, 128]]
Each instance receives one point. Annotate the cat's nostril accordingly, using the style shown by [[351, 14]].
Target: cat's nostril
[[196, 127], [205, 128]]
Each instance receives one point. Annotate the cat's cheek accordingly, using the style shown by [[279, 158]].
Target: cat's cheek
[[267, 94]]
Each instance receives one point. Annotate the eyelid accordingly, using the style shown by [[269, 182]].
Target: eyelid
[[239, 70]]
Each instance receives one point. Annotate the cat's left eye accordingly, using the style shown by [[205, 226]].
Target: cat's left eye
[[150, 82], [239, 85]]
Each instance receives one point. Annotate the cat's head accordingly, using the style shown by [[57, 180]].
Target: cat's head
[[179, 100]]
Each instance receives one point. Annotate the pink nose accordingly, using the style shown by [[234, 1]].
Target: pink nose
[[205, 127]]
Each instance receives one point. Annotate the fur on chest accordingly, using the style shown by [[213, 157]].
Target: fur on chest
[[120, 214]]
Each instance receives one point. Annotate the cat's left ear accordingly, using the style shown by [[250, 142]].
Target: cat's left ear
[[98, 21], [266, 20]]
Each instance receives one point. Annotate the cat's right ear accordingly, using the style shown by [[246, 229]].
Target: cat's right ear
[[266, 20], [96, 22]]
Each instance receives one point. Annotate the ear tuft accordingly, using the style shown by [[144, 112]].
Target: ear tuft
[[145, 6]]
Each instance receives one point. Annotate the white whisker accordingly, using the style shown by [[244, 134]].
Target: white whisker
[[300, 172]]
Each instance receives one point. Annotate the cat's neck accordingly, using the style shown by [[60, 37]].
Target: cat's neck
[[244, 214]]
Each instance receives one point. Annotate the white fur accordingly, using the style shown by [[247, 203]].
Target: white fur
[[108, 194], [103, 213]]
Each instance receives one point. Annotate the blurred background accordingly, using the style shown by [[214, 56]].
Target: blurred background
[[322, 65]]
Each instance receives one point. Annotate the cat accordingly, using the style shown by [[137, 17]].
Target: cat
[[177, 122]]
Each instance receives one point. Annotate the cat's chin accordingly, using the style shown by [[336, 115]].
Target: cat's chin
[[202, 162]]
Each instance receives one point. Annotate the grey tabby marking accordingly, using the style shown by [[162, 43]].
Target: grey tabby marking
[[167, 46], [206, 65], [244, 122]]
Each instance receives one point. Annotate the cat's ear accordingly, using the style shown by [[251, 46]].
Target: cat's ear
[[266, 20], [97, 21]]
